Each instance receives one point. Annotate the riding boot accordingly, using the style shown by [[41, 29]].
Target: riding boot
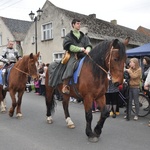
[[66, 87]]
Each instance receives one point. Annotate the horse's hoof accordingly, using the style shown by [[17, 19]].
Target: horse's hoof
[[71, 126], [10, 114], [93, 139], [3, 110], [49, 120], [19, 116]]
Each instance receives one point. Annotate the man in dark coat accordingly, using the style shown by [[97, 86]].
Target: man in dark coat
[[78, 45]]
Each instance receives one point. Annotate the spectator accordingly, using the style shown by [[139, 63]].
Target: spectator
[[37, 87], [135, 74], [146, 67], [147, 87], [112, 98], [40, 71], [95, 107], [42, 81]]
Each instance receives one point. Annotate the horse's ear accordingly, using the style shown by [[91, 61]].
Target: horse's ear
[[31, 56], [38, 54], [115, 42], [126, 41]]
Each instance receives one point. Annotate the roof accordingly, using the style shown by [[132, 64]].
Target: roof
[[139, 51], [100, 29], [18, 28], [144, 30]]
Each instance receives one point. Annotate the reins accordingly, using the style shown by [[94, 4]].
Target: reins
[[107, 72], [22, 71], [97, 64]]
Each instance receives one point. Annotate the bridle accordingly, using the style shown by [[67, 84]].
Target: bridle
[[22, 71], [107, 72]]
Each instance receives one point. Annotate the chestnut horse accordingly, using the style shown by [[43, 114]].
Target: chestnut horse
[[106, 59], [17, 80]]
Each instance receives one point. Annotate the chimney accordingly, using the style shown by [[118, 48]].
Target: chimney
[[93, 16], [114, 22]]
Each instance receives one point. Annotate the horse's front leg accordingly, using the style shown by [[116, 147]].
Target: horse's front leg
[[65, 103], [89, 117], [18, 109], [14, 104], [104, 115]]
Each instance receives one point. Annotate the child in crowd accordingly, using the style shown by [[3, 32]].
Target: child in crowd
[[37, 87], [94, 107]]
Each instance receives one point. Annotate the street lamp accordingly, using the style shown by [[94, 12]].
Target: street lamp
[[35, 19]]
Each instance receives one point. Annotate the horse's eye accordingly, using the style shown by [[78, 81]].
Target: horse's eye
[[116, 59]]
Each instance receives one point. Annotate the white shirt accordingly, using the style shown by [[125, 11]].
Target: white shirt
[[147, 81]]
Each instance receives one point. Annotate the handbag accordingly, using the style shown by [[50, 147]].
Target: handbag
[[65, 58]]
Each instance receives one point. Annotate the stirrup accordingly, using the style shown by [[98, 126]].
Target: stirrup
[[66, 89]]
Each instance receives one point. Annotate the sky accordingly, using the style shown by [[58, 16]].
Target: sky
[[128, 13]]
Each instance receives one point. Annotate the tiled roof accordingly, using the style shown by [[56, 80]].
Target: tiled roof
[[143, 30], [101, 29], [18, 28]]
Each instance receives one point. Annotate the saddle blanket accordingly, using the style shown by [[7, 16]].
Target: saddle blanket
[[1, 81], [77, 72]]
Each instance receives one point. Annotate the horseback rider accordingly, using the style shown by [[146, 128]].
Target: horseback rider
[[77, 44], [9, 56]]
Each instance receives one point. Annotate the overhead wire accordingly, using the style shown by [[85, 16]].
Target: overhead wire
[[4, 3], [10, 5]]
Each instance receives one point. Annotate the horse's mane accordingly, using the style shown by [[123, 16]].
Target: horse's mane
[[99, 53], [23, 60]]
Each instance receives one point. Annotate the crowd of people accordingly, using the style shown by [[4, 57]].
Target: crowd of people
[[38, 85]]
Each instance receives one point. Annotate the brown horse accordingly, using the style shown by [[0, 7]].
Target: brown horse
[[107, 58], [17, 82]]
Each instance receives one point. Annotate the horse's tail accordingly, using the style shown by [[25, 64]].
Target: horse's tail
[[49, 96], [50, 103], [49, 100]]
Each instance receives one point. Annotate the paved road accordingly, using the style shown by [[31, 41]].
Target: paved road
[[33, 133]]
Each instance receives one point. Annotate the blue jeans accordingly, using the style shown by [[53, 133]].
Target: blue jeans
[[134, 96]]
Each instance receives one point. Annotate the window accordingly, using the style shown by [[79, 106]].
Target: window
[[40, 59], [63, 32], [57, 56], [47, 31], [33, 39]]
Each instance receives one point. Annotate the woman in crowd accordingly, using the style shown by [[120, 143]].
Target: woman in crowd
[[135, 74]]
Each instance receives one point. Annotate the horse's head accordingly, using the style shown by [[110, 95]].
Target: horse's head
[[117, 59], [32, 65]]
